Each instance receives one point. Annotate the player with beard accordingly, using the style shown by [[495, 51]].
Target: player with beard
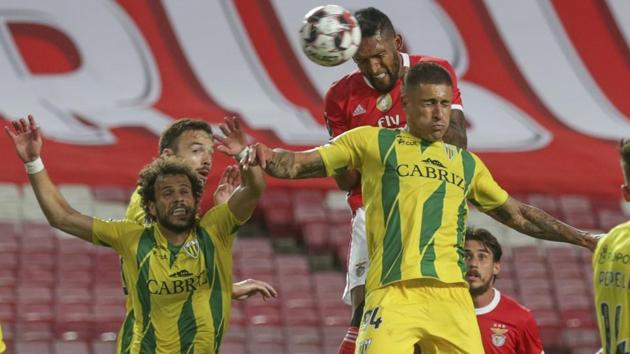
[[191, 141], [416, 189], [371, 96], [506, 326], [179, 266]]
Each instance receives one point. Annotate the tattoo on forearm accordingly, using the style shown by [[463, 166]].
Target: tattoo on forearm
[[539, 224], [283, 164]]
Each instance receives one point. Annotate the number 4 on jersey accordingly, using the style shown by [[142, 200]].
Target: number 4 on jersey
[[370, 318]]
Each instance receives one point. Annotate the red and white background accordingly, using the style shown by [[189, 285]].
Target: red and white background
[[545, 83]]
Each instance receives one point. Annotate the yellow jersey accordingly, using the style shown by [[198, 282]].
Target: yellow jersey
[[611, 279], [414, 193], [3, 346], [180, 296]]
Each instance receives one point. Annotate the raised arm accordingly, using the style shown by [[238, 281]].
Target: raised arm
[[287, 164], [27, 140], [536, 223]]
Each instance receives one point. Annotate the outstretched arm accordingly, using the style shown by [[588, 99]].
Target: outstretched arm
[[27, 140], [285, 163], [536, 223]]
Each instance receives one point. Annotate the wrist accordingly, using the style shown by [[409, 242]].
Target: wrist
[[238, 157], [35, 166]]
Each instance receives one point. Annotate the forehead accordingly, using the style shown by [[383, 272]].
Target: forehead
[[476, 246], [194, 136], [433, 91], [372, 45], [167, 181]]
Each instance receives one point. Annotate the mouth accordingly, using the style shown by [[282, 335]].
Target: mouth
[[179, 211], [203, 172], [471, 276]]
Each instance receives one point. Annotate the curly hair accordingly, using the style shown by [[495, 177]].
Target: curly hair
[[165, 166]]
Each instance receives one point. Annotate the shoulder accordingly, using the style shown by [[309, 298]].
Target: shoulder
[[419, 58], [344, 84], [519, 312]]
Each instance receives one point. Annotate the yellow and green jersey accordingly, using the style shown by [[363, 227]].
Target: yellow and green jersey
[[611, 279], [414, 193], [180, 296], [3, 347]]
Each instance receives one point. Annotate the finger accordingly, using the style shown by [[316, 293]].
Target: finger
[[220, 139], [9, 133], [24, 125], [33, 126], [16, 126], [224, 176], [231, 123], [225, 129], [261, 157], [222, 148], [237, 125]]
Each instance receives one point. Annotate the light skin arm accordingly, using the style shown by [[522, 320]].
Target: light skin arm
[[456, 133], [26, 138], [250, 287], [287, 164], [536, 223]]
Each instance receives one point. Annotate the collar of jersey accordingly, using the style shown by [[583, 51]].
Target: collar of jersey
[[405, 60], [422, 141], [491, 306], [162, 241]]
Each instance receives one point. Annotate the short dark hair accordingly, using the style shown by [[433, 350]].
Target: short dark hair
[[624, 153], [487, 240], [372, 21], [165, 166], [170, 136], [427, 73]]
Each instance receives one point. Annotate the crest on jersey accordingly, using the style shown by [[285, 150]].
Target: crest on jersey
[[498, 334], [192, 248], [384, 102]]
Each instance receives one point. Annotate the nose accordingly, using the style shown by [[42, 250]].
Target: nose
[[375, 66]]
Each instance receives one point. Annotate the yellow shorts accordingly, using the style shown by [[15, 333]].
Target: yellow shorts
[[438, 317]]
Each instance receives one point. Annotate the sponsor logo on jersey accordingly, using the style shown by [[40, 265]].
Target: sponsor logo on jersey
[[177, 286], [384, 102], [358, 110], [499, 332], [433, 162], [406, 141], [181, 274], [407, 170], [192, 248], [388, 121]]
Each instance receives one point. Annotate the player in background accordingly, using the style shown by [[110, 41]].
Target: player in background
[[371, 96], [179, 266], [191, 140], [3, 346], [415, 189], [611, 275], [506, 326]]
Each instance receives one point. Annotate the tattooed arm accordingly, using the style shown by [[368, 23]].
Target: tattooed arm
[[536, 223], [287, 164]]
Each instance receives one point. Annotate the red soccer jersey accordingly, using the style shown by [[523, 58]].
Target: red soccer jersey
[[508, 327], [352, 102]]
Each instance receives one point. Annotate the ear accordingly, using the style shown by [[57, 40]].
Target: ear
[[399, 42], [496, 268], [152, 209], [168, 152], [625, 192]]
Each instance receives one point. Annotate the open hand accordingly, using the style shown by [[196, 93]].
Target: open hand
[[250, 287], [26, 138], [229, 181], [233, 140]]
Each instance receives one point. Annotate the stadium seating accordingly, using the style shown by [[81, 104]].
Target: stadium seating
[[59, 294]]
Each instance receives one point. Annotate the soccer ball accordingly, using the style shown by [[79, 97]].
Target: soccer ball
[[330, 35]]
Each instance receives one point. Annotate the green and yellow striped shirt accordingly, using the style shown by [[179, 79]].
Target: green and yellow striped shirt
[[180, 295], [414, 193]]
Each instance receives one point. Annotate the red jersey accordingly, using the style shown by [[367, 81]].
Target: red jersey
[[352, 102], [508, 327]]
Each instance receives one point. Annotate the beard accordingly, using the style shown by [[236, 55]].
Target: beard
[[180, 226], [476, 291], [381, 87]]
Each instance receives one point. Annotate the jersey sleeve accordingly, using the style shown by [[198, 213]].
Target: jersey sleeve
[[117, 234], [134, 209], [530, 339], [336, 120], [345, 151], [221, 224], [485, 192]]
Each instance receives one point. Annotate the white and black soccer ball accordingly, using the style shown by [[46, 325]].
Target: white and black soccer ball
[[330, 35]]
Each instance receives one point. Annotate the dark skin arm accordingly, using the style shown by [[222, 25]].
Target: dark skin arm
[[536, 223], [456, 133], [348, 180]]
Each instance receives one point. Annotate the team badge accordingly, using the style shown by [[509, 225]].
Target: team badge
[[498, 334], [192, 248], [384, 102], [603, 255], [360, 269]]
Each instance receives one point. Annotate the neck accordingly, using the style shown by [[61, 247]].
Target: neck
[[484, 299], [174, 237]]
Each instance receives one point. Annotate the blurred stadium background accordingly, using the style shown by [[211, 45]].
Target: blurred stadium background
[[544, 86]]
